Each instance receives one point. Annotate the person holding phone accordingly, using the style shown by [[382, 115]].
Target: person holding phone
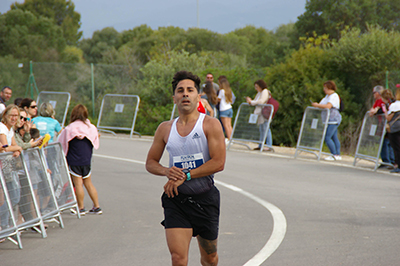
[[331, 101], [22, 135], [262, 97]]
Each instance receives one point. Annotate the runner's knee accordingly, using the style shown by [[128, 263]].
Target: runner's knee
[[210, 259], [178, 259]]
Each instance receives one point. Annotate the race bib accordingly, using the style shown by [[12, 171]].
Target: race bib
[[191, 161]]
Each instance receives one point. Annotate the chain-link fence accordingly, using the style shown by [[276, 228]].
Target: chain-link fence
[[87, 83], [60, 102]]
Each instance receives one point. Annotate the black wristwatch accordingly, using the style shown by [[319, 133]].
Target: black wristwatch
[[187, 173]]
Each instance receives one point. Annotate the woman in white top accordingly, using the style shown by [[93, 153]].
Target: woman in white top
[[332, 102], [11, 117], [262, 97], [392, 115], [225, 106]]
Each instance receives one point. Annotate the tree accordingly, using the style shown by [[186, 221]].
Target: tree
[[61, 12], [361, 60], [101, 42], [262, 45], [332, 16], [26, 36], [297, 80]]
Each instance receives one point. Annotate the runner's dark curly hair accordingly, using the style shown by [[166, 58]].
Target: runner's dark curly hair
[[183, 74]]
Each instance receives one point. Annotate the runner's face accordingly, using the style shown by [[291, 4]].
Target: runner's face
[[186, 96]]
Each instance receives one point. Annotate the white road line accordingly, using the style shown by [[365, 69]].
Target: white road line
[[278, 231], [119, 158], [279, 228]]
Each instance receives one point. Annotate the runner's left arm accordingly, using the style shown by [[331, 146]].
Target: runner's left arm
[[216, 146]]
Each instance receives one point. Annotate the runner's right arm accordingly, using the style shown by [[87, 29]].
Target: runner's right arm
[[156, 151]]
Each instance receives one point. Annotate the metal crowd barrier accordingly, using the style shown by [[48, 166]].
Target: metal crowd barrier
[[118, 112], [371, 138], [29, 191], [60, 102], [60, 178], [174, 113], [312, 131], [245, 127]]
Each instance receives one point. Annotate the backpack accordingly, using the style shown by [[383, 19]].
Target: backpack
[[266, 111]]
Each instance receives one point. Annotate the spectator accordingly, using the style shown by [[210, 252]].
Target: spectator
[[22, 132], [387, 154], [210, 96], [392, 116], [331, 101], [205, 108], [9, 120], [225, 106], [30, 107], [210, 78], [377, 107], [18, 101], [46, 123], [23, 139], [77, 141], [262, 97], [5, 95], [233, 94]]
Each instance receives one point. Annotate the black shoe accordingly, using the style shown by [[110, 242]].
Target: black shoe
[[395, 170], [257, 149], [95, 211], [382, 166]]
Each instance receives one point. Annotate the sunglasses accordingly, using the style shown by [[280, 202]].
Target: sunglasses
[[33, 106], [24, 118]]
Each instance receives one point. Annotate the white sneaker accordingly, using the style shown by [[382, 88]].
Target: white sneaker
[[330, 158], [337, 157], [226, 141]]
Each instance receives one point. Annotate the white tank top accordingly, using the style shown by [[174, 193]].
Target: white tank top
[[190, 152]]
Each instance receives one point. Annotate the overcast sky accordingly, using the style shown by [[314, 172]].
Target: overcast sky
[[220, 16]]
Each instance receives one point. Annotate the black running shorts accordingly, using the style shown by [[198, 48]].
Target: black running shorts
[[80, 171], [199, 212]]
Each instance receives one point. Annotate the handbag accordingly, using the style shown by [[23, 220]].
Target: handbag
[[391, 123], [266, 111]]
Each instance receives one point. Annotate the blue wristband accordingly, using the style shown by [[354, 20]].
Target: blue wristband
[[187, 173]]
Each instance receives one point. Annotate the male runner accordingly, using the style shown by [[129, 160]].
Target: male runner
[[196, 146]]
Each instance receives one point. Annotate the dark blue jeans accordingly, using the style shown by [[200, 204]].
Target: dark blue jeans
[[331, 139], [387, 153]]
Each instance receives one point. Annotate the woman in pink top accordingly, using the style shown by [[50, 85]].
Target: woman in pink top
[[78, 140]]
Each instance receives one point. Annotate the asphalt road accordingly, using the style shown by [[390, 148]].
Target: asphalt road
[[332, 215]]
